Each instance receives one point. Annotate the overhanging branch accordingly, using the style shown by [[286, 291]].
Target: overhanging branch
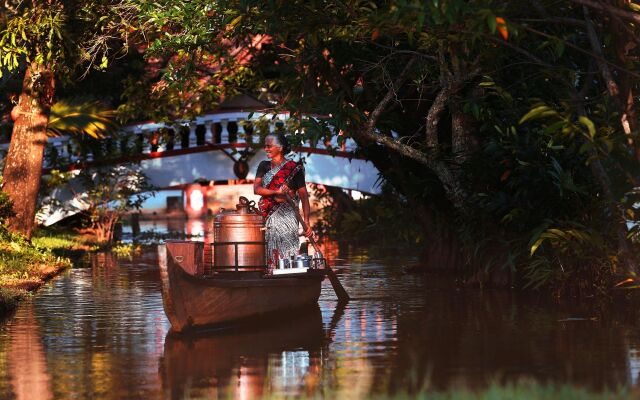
[[375, 114], [628, 15]]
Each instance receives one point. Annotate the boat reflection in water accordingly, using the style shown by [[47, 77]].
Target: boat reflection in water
[[245, 361]]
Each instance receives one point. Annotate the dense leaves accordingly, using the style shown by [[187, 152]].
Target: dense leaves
[[509, 129], [516, 120]]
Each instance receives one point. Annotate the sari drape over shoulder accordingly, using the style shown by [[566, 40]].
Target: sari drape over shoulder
[[280, 218]]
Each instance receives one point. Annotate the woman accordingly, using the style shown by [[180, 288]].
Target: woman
[[275, 179]]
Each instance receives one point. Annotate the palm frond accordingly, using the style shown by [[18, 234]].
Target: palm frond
[[82, 115]]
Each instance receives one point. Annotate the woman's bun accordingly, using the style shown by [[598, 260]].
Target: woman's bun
[[282, 140]]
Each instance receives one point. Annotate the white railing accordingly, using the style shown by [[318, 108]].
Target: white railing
[[214, 128]]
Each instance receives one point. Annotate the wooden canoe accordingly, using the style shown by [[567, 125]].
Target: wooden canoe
[[192, 300]]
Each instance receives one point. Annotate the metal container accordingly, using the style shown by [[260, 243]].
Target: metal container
[[318, 262], [239, 239], [284, 263], [303, 261]]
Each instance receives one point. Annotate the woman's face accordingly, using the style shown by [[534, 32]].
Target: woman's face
[[271, 147]]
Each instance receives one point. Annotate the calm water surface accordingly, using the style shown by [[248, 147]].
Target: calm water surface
[[99, 331]]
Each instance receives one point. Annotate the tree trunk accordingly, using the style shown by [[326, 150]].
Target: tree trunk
[[433, 117], [23, 165], [463, 138]]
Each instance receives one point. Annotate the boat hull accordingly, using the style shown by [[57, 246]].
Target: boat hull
[[192, 301]]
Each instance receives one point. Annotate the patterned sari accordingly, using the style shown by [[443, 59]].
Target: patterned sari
[[280, 218]]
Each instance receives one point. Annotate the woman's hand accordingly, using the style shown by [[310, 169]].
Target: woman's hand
[[284, 191], [309, 231], [280, 194]]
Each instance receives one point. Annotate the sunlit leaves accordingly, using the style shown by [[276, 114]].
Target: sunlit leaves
[[62, 37], [562, 239], [566, 125], [537, 112], [36, 34], [81, 116]]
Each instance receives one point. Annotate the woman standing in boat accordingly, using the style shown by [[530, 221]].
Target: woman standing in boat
[[275, 179]]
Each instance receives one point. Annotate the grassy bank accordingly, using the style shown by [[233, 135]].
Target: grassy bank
[[63, 243], [25, 266]]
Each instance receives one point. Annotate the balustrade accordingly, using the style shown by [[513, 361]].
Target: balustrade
[[221, 128]]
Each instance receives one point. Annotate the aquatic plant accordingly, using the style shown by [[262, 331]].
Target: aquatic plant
[[126, 249]]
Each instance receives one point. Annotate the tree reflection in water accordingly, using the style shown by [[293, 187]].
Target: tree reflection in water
[[27, 364]]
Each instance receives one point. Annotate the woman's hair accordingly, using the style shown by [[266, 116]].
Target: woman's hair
[[282, 141]]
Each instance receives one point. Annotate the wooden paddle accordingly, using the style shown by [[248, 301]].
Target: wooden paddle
[[342, 294]]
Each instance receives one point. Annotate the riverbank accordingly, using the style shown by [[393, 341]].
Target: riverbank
[[26, 266]]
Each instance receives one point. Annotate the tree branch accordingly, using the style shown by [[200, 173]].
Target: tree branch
[[375, 114], [628, 15], [451, 184], [519, 50], [612, 85], [581, 50], [433, 117], [547, 20]]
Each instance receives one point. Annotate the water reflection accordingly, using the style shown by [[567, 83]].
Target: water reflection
[[244, 362], [100, 332], [26, 364]]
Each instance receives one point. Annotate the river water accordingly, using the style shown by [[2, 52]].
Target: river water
[[99, 331]]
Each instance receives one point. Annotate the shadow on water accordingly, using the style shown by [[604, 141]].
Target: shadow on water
[[242, 360], [472, 338]]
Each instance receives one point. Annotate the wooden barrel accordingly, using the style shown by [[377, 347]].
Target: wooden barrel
[[239, 239]]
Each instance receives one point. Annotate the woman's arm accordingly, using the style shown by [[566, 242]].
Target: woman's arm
[[306, 208], [262, 191]]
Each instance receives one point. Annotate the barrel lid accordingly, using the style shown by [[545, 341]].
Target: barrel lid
[[245, 211]]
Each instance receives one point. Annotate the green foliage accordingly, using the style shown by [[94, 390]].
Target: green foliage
[[104, 195], [62, 36], [24, 266], [22, 262], [126, 250], [112, 192], [527, 117], [36, 33], [372, 220], [61, 242]]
